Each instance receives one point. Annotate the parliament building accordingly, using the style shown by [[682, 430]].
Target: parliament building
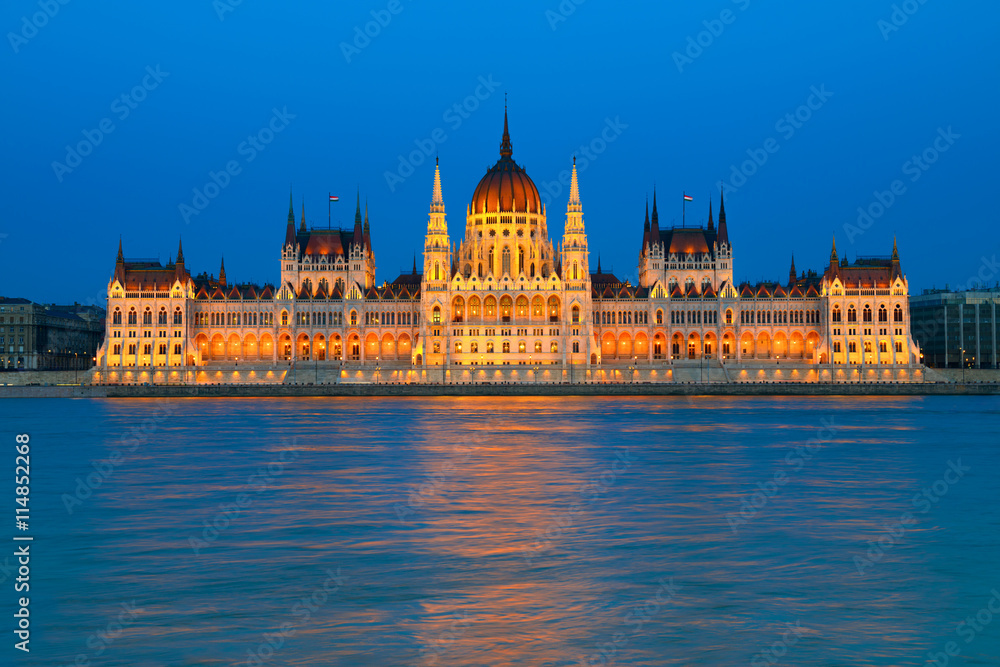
[[504, 303]]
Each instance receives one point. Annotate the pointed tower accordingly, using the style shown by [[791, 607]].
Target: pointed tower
[[367, 229], [121, 256], [711, 222], [654, 228], [575, 258], [290, 228], [723, 230], [834, 260], [894, 261], [222, 273], [437, 246], [179, 264], [791, 272], [302, 225], [358, 229], [598, 263]]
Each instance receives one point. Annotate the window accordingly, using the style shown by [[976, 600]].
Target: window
[[836, 346], [659, 317], [852, 315], [147, 317], [852, 346], [554, 347], [506, 347], [117, 317], [883, 346], [284, 318], [161, 317], [538, 346], [458, 347], [897, 314], [729, 317], [867, 314], [177, 348], [899, 346], [474, 347], [132, 316], [836, 314], [436, 319], [576, 346], [489, 347]]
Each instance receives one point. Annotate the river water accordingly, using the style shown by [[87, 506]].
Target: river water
[[522, 531]]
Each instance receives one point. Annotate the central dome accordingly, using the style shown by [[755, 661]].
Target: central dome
[[506, 186]]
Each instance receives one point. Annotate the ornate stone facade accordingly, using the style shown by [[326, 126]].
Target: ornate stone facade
[[506, 296]]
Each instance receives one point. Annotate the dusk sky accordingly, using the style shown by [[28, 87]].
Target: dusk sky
[[886, 83]]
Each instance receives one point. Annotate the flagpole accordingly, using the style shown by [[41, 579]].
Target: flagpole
[[684, 210], [328, 214]]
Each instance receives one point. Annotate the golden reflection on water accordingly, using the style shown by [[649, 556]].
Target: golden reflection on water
[[507, 553]]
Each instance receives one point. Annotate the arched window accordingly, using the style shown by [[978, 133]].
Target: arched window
[[538, 346], [506, 260], [883, 314], [178, 316], [575, 268], [116, 318], [867, 313], [506, 347], [437, 271], [897, 314], [852, 315], [284, 318], [147, 316], [576, 314], [161, 317], [659, 317], [729, 317], [836, 313], [436, 315], [554, 347]]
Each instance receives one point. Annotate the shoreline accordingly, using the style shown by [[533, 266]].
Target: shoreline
[[368, 390]]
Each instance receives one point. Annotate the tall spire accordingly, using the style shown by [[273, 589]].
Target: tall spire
[[291, 207], [358, 229], [723, 236], [180, 252], [654, 227], [598, 263], [791, 272], [645, 226], [367, 230], [575, 205], [222, 272], [711, 222], [506, 149], [414, 263], [302, 226], [834, 260], [895, 250], [121, 257], [437, 198], [656, 216]]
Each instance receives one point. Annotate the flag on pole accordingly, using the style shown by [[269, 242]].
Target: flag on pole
[[688, 198], [333, 198]]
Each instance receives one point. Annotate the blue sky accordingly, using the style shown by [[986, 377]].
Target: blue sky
[[211, 75]]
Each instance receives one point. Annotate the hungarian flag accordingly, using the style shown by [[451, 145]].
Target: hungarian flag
[[333, 198], [688, 198]]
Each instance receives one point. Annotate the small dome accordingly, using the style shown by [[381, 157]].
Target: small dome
[[506, 185]]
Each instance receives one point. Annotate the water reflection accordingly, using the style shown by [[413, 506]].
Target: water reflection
[[472, 531]]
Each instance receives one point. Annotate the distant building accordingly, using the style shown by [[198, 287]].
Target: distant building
[[35, 336], [506, 295], [956, 329]]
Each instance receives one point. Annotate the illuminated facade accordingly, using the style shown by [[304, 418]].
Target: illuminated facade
[[506, 296]]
